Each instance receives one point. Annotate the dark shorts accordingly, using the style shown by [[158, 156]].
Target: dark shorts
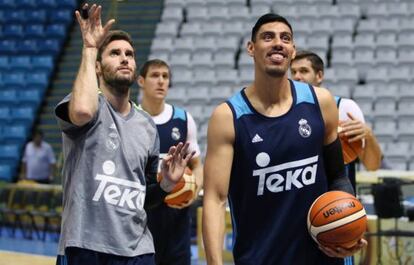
[[80, 256]]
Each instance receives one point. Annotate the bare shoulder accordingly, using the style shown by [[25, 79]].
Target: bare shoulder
[[323, 94], [221, 122]]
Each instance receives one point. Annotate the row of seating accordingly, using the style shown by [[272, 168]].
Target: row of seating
[[39, 16], [26, 62], [48, 46], [31, 209], [36, 31]]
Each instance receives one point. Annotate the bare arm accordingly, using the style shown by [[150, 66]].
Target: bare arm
[[197, 168], [84, 101], [329, 113], [217, 170]]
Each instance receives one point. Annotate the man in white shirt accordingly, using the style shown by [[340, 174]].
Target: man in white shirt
[[38, 160]]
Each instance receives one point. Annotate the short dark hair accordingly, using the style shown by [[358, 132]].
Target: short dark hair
[[267, 18], [113, 35], [314, 59], [154, 62]]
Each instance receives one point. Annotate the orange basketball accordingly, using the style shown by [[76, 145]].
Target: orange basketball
[[337, 219], [350, 150], [183, 191]]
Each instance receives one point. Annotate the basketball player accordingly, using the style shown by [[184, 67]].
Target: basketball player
[[171, 228], [111, 150], [272, 150], [308, 67]]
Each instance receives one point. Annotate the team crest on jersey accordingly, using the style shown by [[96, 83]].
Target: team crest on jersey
[[112, 142], [175, 133], [304, 128]]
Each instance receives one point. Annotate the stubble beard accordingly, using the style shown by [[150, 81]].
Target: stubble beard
[[118, 85]]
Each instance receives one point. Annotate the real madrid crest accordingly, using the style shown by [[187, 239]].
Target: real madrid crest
[[304, 128], [175, 134]]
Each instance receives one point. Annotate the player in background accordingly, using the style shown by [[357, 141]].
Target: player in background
[[272, 149], [170, 227], [308, 67]]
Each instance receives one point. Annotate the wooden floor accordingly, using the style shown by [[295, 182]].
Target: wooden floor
[[15, 258]]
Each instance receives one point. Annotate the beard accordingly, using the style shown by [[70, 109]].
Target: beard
[[118, 84]]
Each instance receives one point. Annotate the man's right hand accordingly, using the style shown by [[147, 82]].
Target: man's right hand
[[91, 26]]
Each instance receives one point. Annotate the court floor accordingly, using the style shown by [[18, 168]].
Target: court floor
[[19, 251]]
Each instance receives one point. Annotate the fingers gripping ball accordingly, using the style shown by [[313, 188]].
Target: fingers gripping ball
[[350, 150], [337, 219], [184, 190]]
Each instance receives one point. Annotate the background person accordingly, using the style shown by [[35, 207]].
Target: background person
[[170, 227]]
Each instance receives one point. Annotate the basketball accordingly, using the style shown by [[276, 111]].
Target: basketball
[[337, 219], [350, 150], [183, 191]]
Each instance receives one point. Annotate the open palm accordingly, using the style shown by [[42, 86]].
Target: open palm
[[173, 165], [91, 27]]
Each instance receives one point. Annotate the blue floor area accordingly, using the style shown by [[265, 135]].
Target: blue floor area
[[18, 243]]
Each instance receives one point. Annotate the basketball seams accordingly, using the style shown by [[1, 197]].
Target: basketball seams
[[323, 242], [330, 203]]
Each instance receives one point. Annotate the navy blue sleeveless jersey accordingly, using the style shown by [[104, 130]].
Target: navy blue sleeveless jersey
[[349, 168], [277, 173], [171, 227]]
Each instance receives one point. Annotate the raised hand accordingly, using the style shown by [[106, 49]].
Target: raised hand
[[173, 165], [91, 25]]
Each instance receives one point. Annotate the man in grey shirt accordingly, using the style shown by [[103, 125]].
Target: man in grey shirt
[[111, 150]]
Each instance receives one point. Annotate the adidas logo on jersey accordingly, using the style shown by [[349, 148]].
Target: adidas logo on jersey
[[257, 139], [286, 176]]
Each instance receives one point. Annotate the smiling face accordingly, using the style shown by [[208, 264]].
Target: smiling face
[[117, 67], [273, 49], [155, 83]]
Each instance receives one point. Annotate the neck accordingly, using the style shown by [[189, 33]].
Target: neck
[[119, 101], [153, 107], [270, 90]]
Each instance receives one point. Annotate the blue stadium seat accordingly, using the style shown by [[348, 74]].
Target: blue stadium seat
[[9, 152], [36, 16], [8, 47], [23, 115], [28, 4], [6, 172], [13, 16], [4, 63], [4, 114], [22, 62], [7, 4], [8, 97], [68, 4], [49, 46], [61, 16], [27, 46], [36, 31], [47, 4], [37, 78], [15, 134], [30, 97], [12, 31], [42, 62], [56, 31], [14, 79]]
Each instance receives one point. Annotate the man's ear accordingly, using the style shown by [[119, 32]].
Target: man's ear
[[319, 77], [140, 81], [250, 48], [294, 52], [98, 68]]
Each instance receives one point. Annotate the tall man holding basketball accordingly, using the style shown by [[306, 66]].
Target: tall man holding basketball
[[272, 149], [308, 67], [170, 227]]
